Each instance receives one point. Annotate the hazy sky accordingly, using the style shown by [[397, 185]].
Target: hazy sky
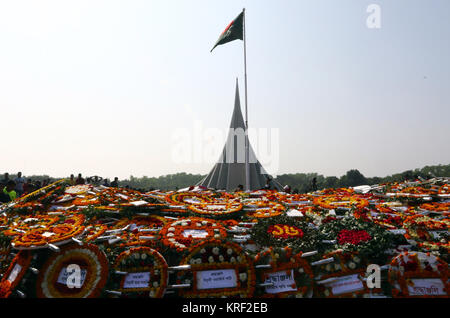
[[99, 87]]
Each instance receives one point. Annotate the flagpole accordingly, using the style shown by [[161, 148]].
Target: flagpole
[[247, 167]]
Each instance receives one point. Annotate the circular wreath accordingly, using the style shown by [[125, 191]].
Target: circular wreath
[[217, 255], [285, 265], [265, 209], [438, 207], [142, 230], [352, 235], [181, 198], [407, 266], [216, 209], [141, 260], [15, 272], [93, 267], [340, 201], [420, 228], [345, 264], [19, 225], [444, 189], [383, 219], [283, 231], [174, 235], [78, 189], [55, 234]]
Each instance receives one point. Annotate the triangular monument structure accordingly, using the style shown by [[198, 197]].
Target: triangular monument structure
[[229, 172]]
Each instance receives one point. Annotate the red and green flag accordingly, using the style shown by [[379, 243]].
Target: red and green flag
[[234, 31]]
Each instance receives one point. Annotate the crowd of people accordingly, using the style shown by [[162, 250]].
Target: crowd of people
[[13, 188]]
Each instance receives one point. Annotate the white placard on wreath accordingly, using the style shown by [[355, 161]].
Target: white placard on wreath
[[64, 275], [213, 279], [427, 287], [282, 282], [346, 284], [137, 280], [16, 270]]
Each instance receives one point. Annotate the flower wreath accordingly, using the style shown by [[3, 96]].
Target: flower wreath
[[420, 228], [352, 235], [408, 267], [141, 260], [5, 253], [115, 196], [15, 272], [346, 265], [139, 236], [337, 191], [216, 209], [216, 255], [78, 189], [383, 219], [284, 265], [35, 195], [444, 189], [265, 209], [340, 201], [283, 231], [19, 225], [436, 207], [52, 281], [395, 207], [55, 234], [178, 198], [185, 232], [92, 232]]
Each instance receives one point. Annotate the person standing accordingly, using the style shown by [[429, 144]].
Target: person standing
[[115, 183], [9, 194], [314, 184], [80, 179], [72, 180], [20, 181], [5, 180]]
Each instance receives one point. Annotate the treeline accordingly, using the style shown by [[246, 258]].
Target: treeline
[[302, 182]]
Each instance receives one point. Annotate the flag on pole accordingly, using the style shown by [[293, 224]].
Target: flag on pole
[[234, 31]]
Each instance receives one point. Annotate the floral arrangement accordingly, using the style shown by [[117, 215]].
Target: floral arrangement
[[216, 209], [265, 209], [148, 270], [57, 233], [14, 274], [353, 235], [283, 231], [425, 231], [340, 201], [182, 198], [285, 266], [93, 266], [344, 275], [185, 232], [371, 228], [223, 259], [409, 268]]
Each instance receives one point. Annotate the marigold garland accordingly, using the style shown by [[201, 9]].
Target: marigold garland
[[174, 234], [216, 255], [284, 259], [417, 265], [143, 259], [14, 274], [89, 258]]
